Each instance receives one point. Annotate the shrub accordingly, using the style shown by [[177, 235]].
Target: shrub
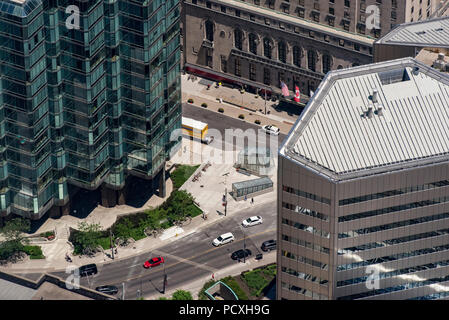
[[204, 105], [220, 110], [190, 101], [181, 174], [207, 285], [241, 116], [257, 122], [182, 295], [270, 270]]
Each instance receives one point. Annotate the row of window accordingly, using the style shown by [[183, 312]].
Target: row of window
[[305, 260], [306, 244], [304, 227], [406, 286], [394, 241], [394, 273], [306, 195], [396, 192], [402, 207], [305, 292], [394, 257], [305, 276], [359, 232], [305, 211]]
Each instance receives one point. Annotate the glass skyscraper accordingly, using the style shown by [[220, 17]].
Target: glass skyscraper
[[85, 105]]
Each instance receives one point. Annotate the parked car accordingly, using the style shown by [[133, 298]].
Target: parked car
[[223, 239], [88, 270], [107, 289], [269, 245], [239, 254], [153, 262], [270, 129], [252, 221]]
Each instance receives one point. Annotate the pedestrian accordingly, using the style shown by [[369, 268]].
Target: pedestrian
[[245, 197], [252, 200]]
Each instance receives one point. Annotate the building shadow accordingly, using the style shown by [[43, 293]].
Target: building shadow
[[83, 202], [138, 192]]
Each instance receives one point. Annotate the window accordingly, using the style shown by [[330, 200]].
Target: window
[[266, 76], [237, 13], [297, 56], [209, 61], [311, 60], [238, 71], [209, 30], [347, 3], [301, 12], [326, 63], [238, 39], [331, 11], [224, 64], [252, 43], [252, 71], [223, 9], [208, 5], [282, 52], [267, 48]]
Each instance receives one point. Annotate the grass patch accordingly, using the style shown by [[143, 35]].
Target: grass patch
[[270, 271], [230, 281], [35, 252], [255, 281], [105, 242], [181, 174]]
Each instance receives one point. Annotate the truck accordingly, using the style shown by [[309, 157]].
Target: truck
[[195, 129]]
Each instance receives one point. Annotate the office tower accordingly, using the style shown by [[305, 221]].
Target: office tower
[[363, 187], [258, 44], [90, 94]]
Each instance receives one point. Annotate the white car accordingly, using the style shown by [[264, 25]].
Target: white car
[[223, 239], [271, 130], [252, 221]]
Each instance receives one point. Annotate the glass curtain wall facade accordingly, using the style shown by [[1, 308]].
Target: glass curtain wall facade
[[86, 105]]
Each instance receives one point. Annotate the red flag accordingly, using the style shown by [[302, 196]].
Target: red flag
[[284, 88], [297, 94]]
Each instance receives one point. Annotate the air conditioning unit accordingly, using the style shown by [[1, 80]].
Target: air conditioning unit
[[439, 63]]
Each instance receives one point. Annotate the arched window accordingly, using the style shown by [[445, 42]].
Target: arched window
[[339, 67], [238, 39], [297, 56], [282, 52], [355, 64], [311, 60], [267, 48], [326, 63], [209, 30], [252, 43]]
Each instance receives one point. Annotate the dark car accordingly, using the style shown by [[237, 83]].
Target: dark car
[[88, 270], [107, 289], [269, 245], [239, 254]]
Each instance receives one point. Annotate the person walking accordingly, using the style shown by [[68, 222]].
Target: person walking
[[252, 200]]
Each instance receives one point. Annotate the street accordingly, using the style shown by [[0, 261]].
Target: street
[[189, 258]]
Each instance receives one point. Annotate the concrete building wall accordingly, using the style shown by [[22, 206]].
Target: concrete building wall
[[224, 55], [385, 52]]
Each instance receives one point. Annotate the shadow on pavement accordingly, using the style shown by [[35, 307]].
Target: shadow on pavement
[[139, 191]]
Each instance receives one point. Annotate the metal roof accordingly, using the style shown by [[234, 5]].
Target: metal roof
[[12, 291], [427, 33], [252, 183], [335, 137]]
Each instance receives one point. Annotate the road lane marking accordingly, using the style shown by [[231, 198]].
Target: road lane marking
[[195, 264], [204, 252]]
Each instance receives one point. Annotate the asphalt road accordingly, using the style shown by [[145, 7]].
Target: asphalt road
[[189, 258], [222, 122]]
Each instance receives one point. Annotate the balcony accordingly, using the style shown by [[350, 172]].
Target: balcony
[[207, 44]]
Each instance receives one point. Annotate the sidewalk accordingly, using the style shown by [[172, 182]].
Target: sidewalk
[[195, 286], [234, 103]]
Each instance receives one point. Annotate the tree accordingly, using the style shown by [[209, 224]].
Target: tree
[[182, 295], [85, 240], [13, 236]]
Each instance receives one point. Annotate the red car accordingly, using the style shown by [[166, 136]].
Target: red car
[[153, 262]]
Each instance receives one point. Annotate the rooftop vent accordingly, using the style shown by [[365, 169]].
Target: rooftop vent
[[369, 113], [439, 63], [420, 33], [415, 71], [375, 96], [380, 111]]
